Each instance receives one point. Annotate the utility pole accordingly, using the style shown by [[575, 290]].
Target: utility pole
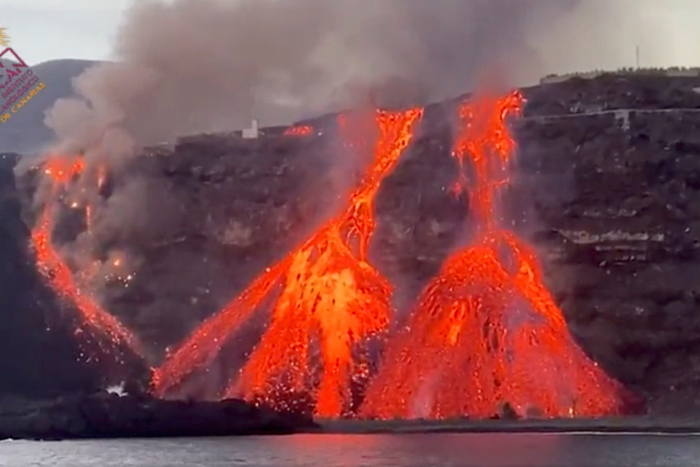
[[637, 57]]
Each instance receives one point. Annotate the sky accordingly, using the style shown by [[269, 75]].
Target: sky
[[42, 30], [666, 30]]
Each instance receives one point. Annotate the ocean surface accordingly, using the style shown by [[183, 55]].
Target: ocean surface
[[479, 450]]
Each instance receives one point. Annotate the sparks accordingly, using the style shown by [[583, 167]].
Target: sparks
[[111, 333], [299, 130], [331, 300], [486, 332]]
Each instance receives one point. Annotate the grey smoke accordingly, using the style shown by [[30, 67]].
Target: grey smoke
[[186, 66], [191, 66], [208, 65]]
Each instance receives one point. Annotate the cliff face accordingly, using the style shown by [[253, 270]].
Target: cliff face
[[617, 228], [38, 356], [616, 205], [610, 200]]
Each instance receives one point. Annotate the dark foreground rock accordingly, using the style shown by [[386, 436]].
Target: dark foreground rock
[[39, 356], [104, 415]]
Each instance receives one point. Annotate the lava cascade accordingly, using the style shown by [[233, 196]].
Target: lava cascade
[[96, 324], [486, 335], [331, 300]]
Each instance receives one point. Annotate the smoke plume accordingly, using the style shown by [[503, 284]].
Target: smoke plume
[[190, 66], [207, 65]]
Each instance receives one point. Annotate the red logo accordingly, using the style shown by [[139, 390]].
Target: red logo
[[18, 83], [10, 71]]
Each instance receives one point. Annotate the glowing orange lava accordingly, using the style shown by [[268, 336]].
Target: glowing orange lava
[[331, 300], [299, 130], [486, 334], [111, 335]]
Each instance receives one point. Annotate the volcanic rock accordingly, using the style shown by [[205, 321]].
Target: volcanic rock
[[103, 415], [607, 190], [38, 355]]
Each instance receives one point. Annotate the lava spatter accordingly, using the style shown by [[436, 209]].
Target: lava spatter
[[330, 301], [486, 333], [94, 323]]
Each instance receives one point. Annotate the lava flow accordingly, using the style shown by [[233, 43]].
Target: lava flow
[[299, 130], [486, 337], [331, 300], [109, 333]]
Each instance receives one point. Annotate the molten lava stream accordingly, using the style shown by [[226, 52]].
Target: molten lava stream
[[299, 130], [331, 302], [486, 333], [111, 335]]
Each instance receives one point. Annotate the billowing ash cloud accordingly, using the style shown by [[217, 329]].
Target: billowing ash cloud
[[190, 66], [205, 65]]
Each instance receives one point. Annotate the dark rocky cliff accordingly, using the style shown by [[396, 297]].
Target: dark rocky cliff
[[38, 356], [610, 200], [617, 227]]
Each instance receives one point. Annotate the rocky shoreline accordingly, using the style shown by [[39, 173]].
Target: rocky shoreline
[[104, 415]]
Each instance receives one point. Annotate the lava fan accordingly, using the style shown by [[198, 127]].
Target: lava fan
[[486, 337], [95, 324], [329, 302]]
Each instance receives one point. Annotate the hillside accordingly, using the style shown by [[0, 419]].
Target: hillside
[[39, 355], [609, 198]]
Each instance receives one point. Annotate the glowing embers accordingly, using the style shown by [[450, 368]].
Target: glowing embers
[[95, 323], [332, 299], [486, 142], [299, 130], [331, 303], [486, 336], [486, 333]]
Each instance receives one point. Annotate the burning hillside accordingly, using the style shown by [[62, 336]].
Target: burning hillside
[[395, 260], [472, 345], [486, 332], [326, 302], [218, 210], [330, 294], [94, 325]]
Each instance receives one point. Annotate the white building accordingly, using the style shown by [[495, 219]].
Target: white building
[[252, 132]]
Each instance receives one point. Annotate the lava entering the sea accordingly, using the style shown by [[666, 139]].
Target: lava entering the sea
[[486, 334], [96, 325], [330, 302]]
